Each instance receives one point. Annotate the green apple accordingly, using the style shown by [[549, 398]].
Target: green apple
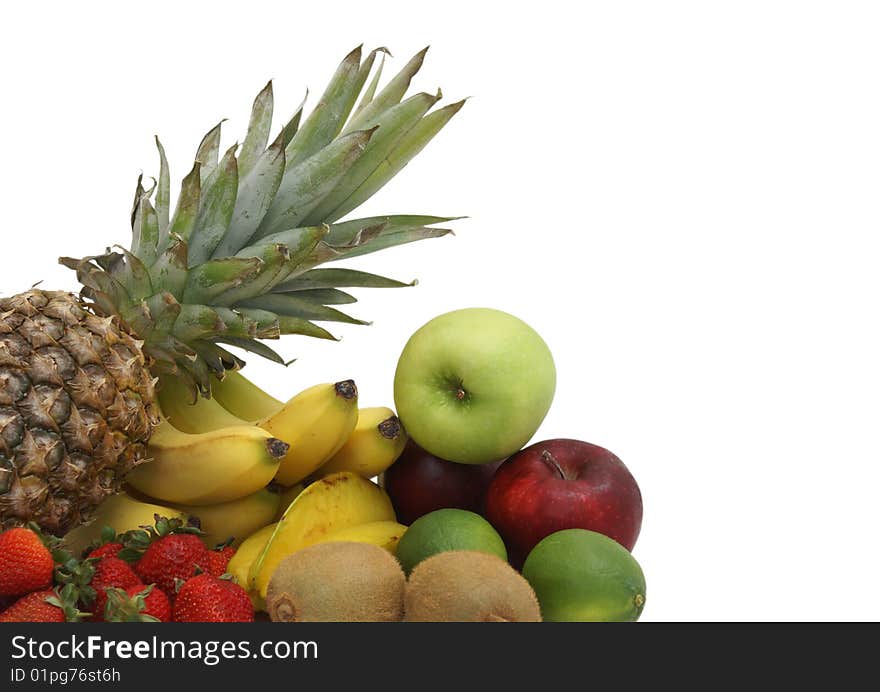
[[473, 385]]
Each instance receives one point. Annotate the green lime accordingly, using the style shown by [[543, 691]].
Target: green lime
[[447, 529], [583, 576]]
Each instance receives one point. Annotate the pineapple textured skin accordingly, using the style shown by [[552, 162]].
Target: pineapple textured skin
[[76, 409]]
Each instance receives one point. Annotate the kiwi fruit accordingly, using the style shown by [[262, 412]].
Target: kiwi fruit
[[338, 581], [468, 586]]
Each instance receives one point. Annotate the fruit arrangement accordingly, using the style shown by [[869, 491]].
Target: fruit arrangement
[[143, 477]]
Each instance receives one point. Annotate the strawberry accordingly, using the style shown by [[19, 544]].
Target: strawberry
[[111, 572], [218, 559], [106, 550], [25, 563], [47, 605], [173, 557], [206, 598], [137, 604]]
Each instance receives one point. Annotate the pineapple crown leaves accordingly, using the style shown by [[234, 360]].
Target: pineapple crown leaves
[[136, 541], [124, 608], [237, 261]]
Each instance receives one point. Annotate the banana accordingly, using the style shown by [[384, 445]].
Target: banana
[[385, 534], [202, 416], [288, 495], [236, 519], [240, 564], [121, 512], [207, 468], [243, 398], [376, 443], [316, 423]]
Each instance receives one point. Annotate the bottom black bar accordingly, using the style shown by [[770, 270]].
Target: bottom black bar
[[411, 656]]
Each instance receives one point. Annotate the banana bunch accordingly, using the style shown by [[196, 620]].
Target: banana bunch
[[240, 462], [325, 430]]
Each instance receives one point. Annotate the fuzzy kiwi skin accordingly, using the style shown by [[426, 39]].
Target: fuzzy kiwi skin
[[339, 581], [468, 586]]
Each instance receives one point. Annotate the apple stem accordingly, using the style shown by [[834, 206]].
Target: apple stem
[[551, 460], [460, 394]]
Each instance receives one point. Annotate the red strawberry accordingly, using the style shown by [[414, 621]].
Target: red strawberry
[[25, 563], [110, 572], [171, 558], [41, 606], [138, 604], [106, 550], [218, 560], [205, 598]]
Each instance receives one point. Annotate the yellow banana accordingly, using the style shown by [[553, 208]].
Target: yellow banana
[[240, 564], [202, 416], [236, 519], [316, 423], [330, 504], [385, 534], [288, 495], [207, 468], [376, 443], [243, 398], [121, 512]]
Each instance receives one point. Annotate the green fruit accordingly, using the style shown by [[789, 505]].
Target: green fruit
[[473, 385], [447, 529], [583, 576]]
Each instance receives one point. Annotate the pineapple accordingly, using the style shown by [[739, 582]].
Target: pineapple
[[236, 263]]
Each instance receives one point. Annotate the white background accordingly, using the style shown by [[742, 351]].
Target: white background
[[681, 197]]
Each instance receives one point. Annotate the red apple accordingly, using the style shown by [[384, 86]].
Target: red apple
[[563, 484], [418, 483]]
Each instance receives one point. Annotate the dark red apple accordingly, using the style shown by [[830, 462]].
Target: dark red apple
[[562, 484], [418, 483]]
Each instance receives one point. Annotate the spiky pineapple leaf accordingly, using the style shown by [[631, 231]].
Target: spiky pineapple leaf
[[257, 136], [196, 322], [218, 359], [164, 309], [316, 279], [325, 296], [390, 95], [297, 325], [253, 346], [187, 206], [215, 210], [297, 245], [370, 91], [393, 124], [291, 127], [290, 305], [256, 193], [145, 232], [344, 233], [170, 268], [407, 147], [306, 184], [132, 274], [207, 281], [273, 257], [254, 324], [139, 194], [385, 240], [326, 119], [208, 152], [163, 192]]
